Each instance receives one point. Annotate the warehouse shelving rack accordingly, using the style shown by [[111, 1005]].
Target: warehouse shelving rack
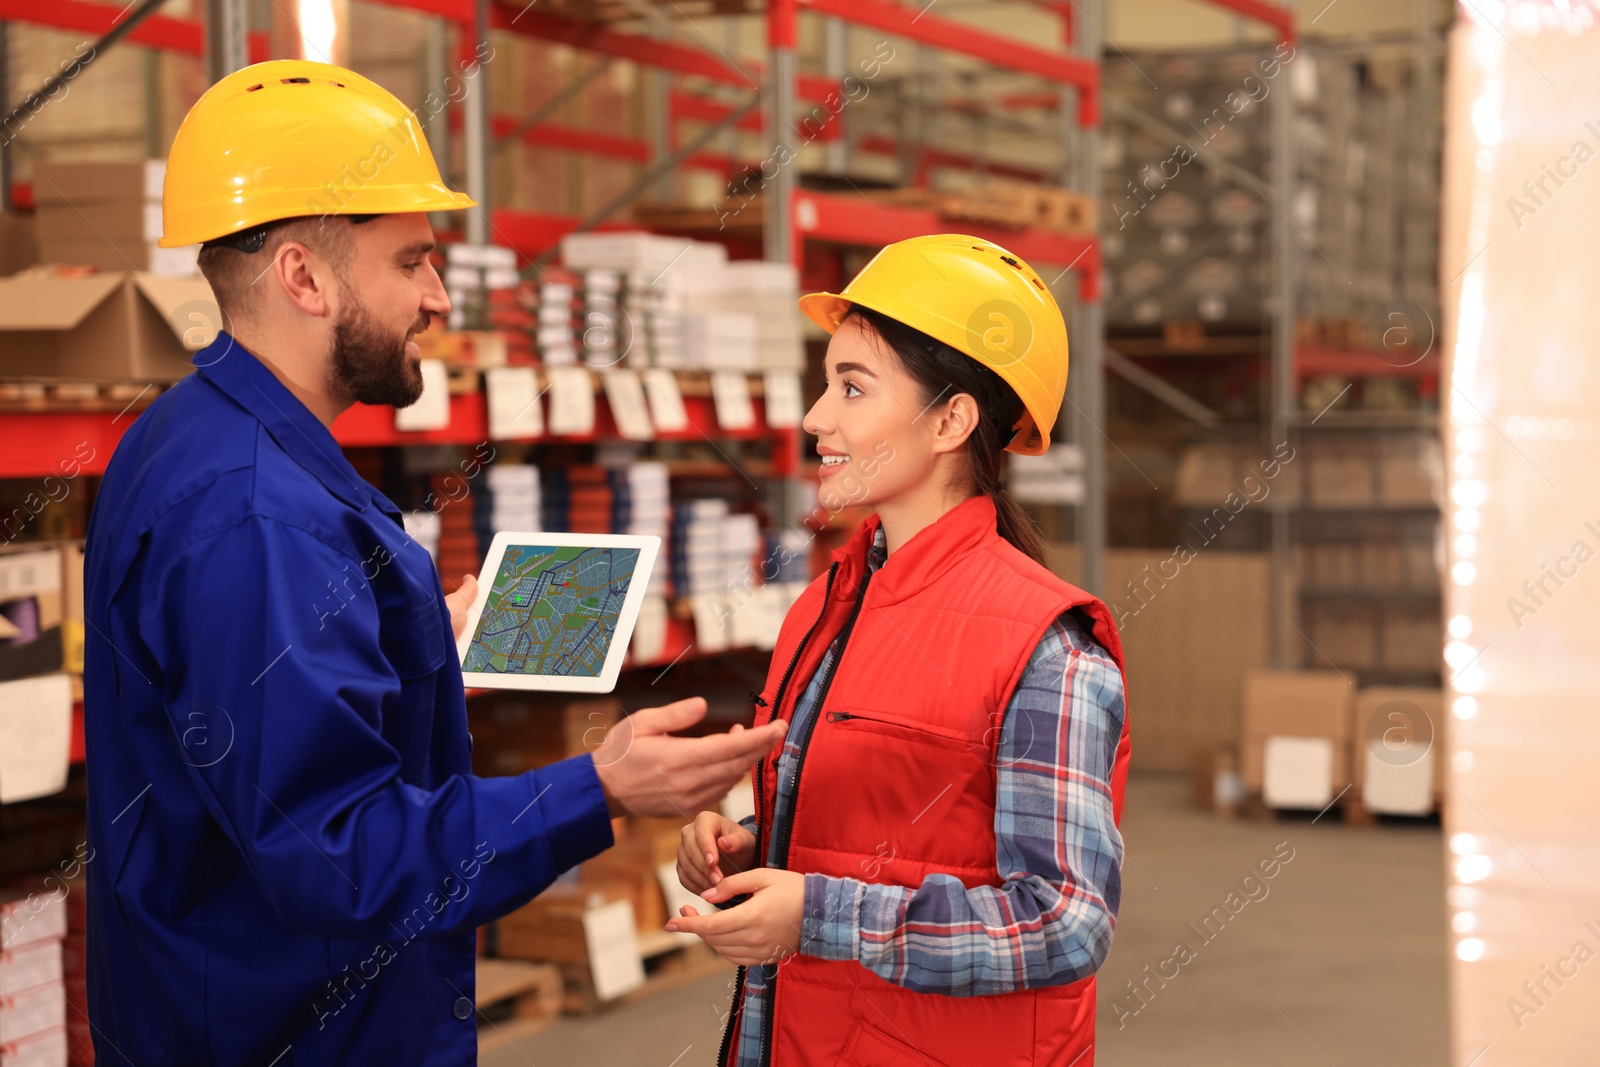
[[792, 217]]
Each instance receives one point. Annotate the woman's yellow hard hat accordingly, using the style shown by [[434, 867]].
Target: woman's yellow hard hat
[[290, 138], [977, 298]]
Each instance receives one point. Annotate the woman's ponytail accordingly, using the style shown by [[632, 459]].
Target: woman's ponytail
[[938, 369]]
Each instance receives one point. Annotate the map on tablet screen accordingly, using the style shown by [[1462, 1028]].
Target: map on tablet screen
[[552, 610]]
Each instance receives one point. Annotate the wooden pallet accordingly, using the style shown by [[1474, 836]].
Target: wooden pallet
[[516, 999], [46, 395]]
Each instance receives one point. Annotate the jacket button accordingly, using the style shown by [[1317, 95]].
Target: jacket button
[[463, 1008]]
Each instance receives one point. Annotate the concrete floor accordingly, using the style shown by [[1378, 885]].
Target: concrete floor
[[1338, 959]]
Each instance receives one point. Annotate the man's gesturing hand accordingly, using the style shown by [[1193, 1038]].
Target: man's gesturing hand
[[646, 772]]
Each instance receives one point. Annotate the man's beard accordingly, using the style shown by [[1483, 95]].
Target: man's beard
[[369, 364]]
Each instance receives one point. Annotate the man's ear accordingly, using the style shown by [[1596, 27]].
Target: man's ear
[[954, 422], [303, 276]]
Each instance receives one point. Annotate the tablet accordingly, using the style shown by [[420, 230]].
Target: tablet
[[555, 611]]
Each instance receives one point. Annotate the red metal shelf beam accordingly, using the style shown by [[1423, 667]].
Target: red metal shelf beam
[[162, 32], [1004, 52]]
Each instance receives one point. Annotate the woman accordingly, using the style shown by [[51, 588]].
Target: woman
[[939, 854]]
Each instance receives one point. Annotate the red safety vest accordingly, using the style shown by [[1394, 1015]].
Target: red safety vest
[[897, 782]]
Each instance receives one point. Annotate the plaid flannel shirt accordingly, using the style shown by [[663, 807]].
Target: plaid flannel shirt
[[1057, 848]]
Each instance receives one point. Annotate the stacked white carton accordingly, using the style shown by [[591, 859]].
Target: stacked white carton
[[513, 497], [33, 1010], [470, 272]]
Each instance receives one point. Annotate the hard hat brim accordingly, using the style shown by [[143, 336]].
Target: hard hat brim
[[439, 198]]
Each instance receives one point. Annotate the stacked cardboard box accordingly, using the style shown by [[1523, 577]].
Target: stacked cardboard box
[[1399, 738], [512, 734], [103, 327], [106, 215], [1294, 742]]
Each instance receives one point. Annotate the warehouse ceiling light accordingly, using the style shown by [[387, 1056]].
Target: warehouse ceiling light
[[319, 29]]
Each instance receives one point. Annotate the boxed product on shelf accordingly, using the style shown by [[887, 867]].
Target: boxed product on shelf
[[28, 916], [1340, 472], [112, 326], [1343, 634], [721, 340], [27, 966], [43, 1048], [557, 337], [1410, 470], [472, 273]]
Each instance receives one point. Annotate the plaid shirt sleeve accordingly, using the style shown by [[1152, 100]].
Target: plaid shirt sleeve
[[1057, 843]]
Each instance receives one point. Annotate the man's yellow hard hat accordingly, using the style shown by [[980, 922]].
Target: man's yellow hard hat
[[290, 138], [977, 298]]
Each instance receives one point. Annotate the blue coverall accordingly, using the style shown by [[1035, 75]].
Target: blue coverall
[[291, 853]]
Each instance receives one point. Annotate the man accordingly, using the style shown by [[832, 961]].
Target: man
[[291, 854]]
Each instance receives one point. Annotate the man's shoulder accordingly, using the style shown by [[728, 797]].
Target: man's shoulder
[[195, 464]]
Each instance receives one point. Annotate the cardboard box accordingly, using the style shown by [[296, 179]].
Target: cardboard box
[[90, 181], [1412, 640], [550, 927], [1341, 473], [1292, 704], [1410, 470], [104, 327], [31, 611], [1252, 761], [1345, 635], [1392, 719], [515, 734]]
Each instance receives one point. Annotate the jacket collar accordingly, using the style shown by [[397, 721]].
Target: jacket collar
[[230, 367], [920, 561]]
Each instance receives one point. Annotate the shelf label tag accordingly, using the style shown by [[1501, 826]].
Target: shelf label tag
[[571, 400], [432, 410], [730, 391], [625, 394], [783, 399], [666, 402], [514, 408]]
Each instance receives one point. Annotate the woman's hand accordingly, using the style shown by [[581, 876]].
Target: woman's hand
[[764, 929], [705, 843]]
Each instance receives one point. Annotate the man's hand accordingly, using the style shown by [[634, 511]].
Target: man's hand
[[764, 929], [460, 601], [646, 772], [707, 839]]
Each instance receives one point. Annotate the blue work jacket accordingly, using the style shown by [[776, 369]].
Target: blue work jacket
[[291, 854]]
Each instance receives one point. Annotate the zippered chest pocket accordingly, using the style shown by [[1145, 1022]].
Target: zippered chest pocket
[[901, 728]]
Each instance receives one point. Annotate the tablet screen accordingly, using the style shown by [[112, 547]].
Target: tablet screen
[[551, 610]]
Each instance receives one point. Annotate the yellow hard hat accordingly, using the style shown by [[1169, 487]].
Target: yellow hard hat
[[977, 298], [289, 138]]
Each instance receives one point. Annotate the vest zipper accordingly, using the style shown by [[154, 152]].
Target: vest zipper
[[777, 705], [781, 833]]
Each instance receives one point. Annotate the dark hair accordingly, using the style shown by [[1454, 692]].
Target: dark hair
[[939, 369]]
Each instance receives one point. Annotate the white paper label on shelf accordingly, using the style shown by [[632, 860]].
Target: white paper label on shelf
[[515, 411], [625, 394], [650, 629], [730, 391], [783, 399], [571, 393], [613, 942], [666, 401], [35, 736], [432, 411], [1298, 772]]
